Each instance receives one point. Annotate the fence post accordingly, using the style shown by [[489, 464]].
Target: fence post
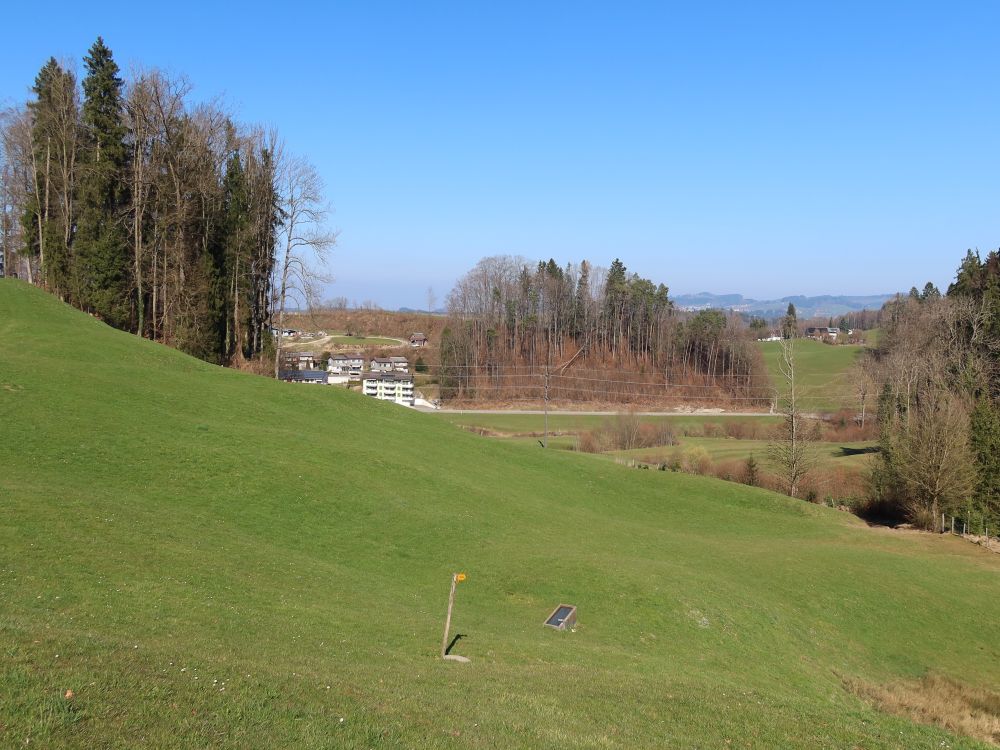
[[953, 524]]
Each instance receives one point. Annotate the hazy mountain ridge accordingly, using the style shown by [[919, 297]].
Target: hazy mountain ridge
[[823, 305]]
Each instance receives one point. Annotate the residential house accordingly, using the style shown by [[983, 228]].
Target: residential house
[[380, 364], [822, 333], [350, 364], [298, 360], [337, 364], [389, 386], [418, 339], [400, 364], [304, 376]]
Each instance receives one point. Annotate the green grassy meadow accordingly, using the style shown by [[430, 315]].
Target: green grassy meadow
[[824, 455], [207, 558], [365, 341], [822, 372], [565, 430], [563, 422], [337, 340]]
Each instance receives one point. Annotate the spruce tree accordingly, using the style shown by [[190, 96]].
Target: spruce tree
[[101, 244], [985, 440], [969, 278], [790, 324]]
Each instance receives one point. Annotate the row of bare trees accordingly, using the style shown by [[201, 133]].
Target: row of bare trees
[[162, 216], [519, 330], [937, 373]]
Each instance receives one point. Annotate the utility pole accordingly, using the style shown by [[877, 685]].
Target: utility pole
[[548, 374], [545, 396]]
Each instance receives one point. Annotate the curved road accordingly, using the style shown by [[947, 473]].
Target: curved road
[[564, 412]]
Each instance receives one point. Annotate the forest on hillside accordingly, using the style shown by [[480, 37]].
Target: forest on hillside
[[936, 377], [157, 214], [519, 330]]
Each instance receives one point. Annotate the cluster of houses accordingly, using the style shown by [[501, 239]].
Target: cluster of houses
[[820, 333], [386, 378]]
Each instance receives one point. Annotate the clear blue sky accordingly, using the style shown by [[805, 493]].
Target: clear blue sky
[[767, 149]]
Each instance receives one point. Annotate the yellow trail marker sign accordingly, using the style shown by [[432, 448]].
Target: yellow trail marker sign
[[455, 578]]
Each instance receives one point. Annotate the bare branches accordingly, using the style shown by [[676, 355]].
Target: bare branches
[[791, 454], [306, 240], [933, 457]]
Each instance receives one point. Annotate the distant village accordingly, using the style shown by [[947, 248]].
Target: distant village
[[383, 378]]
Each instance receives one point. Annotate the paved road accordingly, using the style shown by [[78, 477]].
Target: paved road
[[554, 412]]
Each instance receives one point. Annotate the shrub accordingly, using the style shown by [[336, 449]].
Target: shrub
[[712, 430], [588, 442], [695, 460], [626, 432], [736, 430], [653, 434], [922, 517]]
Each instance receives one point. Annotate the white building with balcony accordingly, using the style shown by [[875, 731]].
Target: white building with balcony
[[346, 364], [389, 386]]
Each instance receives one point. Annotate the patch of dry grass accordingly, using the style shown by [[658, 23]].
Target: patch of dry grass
[[938, 700]]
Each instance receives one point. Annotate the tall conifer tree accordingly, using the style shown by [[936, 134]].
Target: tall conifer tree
[[48, 217], [985, 434], [102, 250]]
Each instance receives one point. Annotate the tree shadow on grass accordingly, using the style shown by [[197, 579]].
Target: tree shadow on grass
[[845, 451]]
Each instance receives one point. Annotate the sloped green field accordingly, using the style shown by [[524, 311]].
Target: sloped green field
[[822, 372], [213, 559]]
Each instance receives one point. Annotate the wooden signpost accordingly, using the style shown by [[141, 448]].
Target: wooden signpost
[[456, 578]]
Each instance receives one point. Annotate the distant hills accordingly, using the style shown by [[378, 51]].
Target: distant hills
[[823, 306], [435, 311]]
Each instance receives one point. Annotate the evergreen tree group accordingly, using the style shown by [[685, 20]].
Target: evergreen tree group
[[939, 408], [156, 216]]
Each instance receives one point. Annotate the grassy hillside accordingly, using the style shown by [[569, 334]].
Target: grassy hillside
[[822, 372], [212, 559]]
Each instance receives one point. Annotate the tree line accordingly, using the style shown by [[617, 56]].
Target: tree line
[[519, 329], [937, 374], [160, 216]]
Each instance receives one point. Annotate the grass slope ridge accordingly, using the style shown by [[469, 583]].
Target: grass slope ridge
[[208, 558], [822, 372]]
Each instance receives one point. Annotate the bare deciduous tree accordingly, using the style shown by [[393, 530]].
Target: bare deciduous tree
[[14, 147], [791, 453], [305, 240], [933, 458]]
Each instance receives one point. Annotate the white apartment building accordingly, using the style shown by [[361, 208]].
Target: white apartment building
[[389, 386]]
